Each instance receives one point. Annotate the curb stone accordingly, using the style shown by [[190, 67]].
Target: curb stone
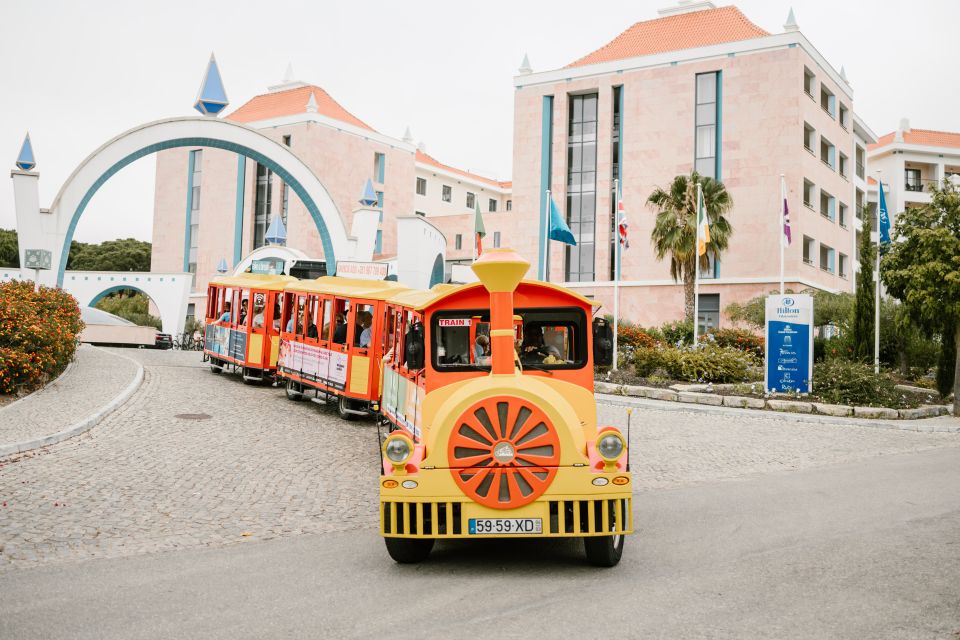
[[790, 405], [839, 410], [743, 402], [86, 423], [875, 412], [700, 398]]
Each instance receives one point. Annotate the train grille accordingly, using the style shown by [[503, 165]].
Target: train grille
[[447, 519]]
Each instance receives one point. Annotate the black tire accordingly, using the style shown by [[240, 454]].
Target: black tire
[[293, 392], [343, 403], [604, 551], [409, 550], [216, 366]]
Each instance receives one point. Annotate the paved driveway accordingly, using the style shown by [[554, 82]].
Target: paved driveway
[[196, 460]]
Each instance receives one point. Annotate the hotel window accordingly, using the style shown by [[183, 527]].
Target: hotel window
[[860, 157], [447, 194], [706, 127], [380, 200], [809, 137], [581, 186], [471, 200], [191, 311], [828, 153], [458, 241], [712, 270], [844, 116], [828, 205], [615, 153], [284, 202], [496, 239], [826, 258], [844, 166], [509, 205], [809, 246], [286, 140], [493, 206], [197, 161], [379, 167], [708, 312], [809, 82], [828, 101], [261, 205], [911, 177], [859, 205], [843, 266], [808, 190], [844, 221], [421, 187], [378, 246]]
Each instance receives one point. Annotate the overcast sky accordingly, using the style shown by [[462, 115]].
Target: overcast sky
[[75, 74]]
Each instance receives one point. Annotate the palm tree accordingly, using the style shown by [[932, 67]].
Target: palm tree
[[675, 231]]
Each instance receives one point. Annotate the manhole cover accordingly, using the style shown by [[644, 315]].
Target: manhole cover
[[192, 416]]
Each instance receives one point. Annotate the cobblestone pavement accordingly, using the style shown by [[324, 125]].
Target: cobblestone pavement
[[256, 466], [94, 379]]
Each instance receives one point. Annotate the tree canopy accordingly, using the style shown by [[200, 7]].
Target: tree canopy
[[9, 253], [128, 254], [922, 267]]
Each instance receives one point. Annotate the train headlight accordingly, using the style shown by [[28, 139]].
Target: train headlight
[[398, 449], [611, 446]]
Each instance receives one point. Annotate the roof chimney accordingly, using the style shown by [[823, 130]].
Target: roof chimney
[[791, 23], [686, 6]]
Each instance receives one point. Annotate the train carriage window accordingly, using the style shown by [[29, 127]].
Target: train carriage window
[[243, 318], [258, 317], [326, 321], [312, 318], [295, 324], [548, 339], [388, 329], [342, 312], [363, 326], [286, 314]]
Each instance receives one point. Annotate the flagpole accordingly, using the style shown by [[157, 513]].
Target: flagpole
[[876, 276], [783, 203], [546, 244], [696, 269], [616, 269]]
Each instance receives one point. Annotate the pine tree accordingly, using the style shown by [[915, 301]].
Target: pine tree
[[863, 308]]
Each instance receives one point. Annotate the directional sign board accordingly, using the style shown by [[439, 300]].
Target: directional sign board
[[789, 359], [37, 259]]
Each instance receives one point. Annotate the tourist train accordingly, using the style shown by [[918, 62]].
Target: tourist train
[[484, 392]]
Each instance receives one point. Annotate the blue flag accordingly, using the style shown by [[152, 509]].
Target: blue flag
[[559, 230], [884, 218]]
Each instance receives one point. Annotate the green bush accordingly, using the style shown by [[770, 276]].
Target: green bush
[[709, 363], [38, 335], [840, 381], [739, 339], [673, 333]]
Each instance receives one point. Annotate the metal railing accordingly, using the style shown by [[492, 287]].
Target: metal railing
[[861, 171], [921, 185]]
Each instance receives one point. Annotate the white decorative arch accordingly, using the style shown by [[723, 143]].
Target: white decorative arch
[[289, 255], [169, 291], [53, 230]]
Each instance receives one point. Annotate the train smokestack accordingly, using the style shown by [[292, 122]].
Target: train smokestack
[[500, 271]]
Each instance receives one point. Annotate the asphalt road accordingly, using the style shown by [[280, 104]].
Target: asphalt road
[[865, 549]]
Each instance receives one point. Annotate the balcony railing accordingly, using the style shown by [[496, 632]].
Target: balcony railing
[[922, 185], [861, 171]]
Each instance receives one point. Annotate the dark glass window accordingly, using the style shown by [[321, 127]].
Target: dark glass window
[[581, 186], [261, 205], [706, 141], [421, 186], [616, 146]]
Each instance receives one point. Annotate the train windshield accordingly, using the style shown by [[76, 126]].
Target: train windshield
[[544, 339]]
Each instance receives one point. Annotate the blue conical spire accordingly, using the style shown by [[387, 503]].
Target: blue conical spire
[[26, 161], [212, 98], [276, 232], [369, 197], [222, 266]]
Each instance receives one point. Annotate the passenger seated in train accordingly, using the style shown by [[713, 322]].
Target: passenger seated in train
[[257, 317], [365, 323], [243, 312], [340, 329], [276, 317], [225, 316], [299, 320], [532, 351], [481, 350]]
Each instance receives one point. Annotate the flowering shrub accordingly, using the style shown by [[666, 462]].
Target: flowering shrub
[[38, 335], [738, 339], [844, 382], [633, 335], [709, 363]]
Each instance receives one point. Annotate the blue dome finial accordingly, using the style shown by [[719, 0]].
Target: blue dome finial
[[26, 161], [212, 98], [369, 197]]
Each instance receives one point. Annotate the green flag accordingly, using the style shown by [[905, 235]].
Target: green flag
[[478, 229]]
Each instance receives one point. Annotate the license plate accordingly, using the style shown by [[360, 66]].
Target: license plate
[[512, 526]]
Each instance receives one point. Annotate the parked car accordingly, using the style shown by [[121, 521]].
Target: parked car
[[163, 341]]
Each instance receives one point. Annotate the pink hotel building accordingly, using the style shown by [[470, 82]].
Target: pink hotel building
[[697, 88]]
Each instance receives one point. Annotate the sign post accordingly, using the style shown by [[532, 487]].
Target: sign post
[[788, 364], [37, 259]]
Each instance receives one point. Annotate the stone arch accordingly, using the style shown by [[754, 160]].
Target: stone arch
[[149, 138]]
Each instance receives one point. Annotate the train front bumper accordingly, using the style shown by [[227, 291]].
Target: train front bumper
[[429, 504]]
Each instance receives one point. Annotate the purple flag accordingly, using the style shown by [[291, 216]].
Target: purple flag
[[786, 214]]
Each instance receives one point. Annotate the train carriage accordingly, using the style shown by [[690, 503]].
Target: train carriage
[[331, 341], [243, 324], [488, 389]]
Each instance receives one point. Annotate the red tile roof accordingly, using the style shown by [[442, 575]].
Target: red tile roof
[[426, 158], [673, 33], [924, 137], [291, 102]]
